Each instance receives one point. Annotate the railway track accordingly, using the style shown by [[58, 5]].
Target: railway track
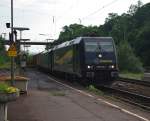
[[134, 81], [4, 72], [127, 96], [130, 97], [133, 98]]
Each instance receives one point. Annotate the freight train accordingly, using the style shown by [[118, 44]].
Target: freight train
[[92, 60]]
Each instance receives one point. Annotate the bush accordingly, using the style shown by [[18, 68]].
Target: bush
[[3, 56], [4, 88], [127, 59]]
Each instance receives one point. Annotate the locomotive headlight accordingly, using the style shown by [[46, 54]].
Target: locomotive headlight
[[112, 66], [100, 55], [88, 67]]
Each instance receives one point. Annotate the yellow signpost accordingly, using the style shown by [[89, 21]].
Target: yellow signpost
[[12, 52]]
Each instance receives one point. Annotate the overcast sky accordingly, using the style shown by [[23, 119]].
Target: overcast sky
[[49, 16]]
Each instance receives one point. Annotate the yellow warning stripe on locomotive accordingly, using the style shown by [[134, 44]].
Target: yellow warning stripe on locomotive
[[106, 61]]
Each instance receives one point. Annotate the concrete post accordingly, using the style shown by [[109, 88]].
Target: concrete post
[[3, 112]]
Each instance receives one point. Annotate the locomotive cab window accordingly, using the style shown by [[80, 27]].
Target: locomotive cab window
[[99, 47]]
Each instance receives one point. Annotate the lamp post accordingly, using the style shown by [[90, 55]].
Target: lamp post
[[12, 40]]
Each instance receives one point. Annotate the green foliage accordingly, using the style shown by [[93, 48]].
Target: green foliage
[[70, 32], [143, 44], [129, 75], [57, 93], [5, 65], [134, 8], [91, 88], [3, 56], [77, 30], [3, 87], [127, 59], [1, 46]]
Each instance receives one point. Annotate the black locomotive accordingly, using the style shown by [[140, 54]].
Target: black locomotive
[[89, 59]]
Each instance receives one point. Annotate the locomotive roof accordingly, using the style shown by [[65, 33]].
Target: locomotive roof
[[45, 51], [78, 40]]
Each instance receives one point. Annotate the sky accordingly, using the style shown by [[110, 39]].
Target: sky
[[45, 18]]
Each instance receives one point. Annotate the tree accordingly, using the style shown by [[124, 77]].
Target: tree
[[3, 56], [70, 32], [127, 59], [76, 30], [2, 47], [91, 31], [134, 8], [142, 45]]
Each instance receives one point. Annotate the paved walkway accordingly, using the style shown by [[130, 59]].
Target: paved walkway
[[50, 101]]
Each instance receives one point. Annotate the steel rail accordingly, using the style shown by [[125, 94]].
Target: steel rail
[[130, 97], [134, 81]]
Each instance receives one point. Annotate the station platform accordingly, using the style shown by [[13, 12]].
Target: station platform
[[51, 100]]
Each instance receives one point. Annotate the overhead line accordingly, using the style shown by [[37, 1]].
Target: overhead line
[[66, 11], [96, 11]]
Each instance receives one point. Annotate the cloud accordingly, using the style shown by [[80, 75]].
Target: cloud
[[51, 2], [23, 3], [36, 3]]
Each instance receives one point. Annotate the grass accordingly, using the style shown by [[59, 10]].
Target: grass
[[96, 91], [5, 65], [129, 75], [57, 93]]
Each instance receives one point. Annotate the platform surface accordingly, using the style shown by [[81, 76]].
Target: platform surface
[[48, 100]]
